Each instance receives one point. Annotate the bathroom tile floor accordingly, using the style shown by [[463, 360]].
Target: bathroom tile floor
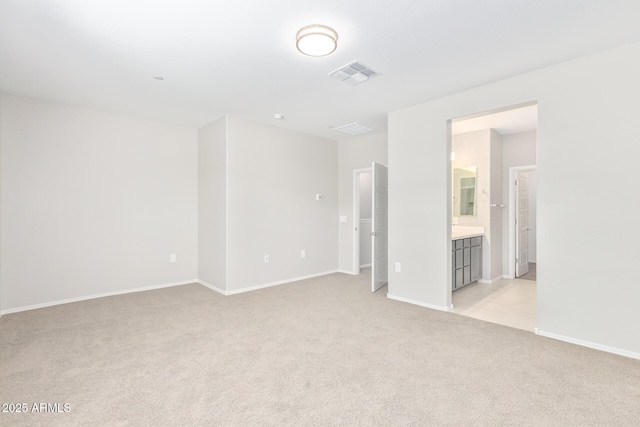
[[509, 302]]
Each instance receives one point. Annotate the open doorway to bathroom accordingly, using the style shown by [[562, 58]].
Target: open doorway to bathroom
[[497, 146]]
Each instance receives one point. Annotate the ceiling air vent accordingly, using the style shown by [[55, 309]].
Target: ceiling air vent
[[352, 129], [354, 73]]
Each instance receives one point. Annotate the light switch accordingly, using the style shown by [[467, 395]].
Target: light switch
[[318, 196], [398, 267]]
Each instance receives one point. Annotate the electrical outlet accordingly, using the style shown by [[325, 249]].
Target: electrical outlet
[[172, 258], [303, 254], [266, 258], [398, 267]]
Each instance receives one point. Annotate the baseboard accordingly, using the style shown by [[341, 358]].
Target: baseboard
[[506, 276], [280, 282], [212, 287], [347, 272], [421, 304], [365, 265], [490, 281], [106, 294], [595, 346]]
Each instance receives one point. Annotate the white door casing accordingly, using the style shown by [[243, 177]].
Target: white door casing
[[379, 233]]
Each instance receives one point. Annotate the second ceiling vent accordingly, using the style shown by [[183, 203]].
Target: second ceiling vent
[[354, 73]]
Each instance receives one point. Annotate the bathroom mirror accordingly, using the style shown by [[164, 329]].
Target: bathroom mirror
[[464, 191]]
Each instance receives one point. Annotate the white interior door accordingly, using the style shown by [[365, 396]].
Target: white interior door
[[379, 227], [522, 224]]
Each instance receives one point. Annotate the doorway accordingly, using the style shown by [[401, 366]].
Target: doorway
[[522, 249], [509, 148], [362, 218], [370, 213]]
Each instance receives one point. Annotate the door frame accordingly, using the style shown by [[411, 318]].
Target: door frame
[[511, 274], [356, 218]]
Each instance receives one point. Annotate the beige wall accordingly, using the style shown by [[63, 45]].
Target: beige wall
[[92, 203], [586, 116]]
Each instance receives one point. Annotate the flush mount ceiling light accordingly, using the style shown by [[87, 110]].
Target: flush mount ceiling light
[[316, 40]]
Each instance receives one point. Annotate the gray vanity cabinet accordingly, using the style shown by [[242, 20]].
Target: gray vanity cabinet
[[466, 261]]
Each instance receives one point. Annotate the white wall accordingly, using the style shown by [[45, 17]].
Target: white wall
[[92, 202], [355, 153], [518, 149], [0, 203], [273, 176], [212, 204], [473, 149], [587, 111], [365, 194]]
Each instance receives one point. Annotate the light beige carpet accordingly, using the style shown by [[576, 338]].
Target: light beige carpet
[[323, 351]]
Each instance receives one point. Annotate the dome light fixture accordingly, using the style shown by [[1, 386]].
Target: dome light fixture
[[316, 40]]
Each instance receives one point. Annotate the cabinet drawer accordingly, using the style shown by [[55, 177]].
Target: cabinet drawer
[[467, 243], [458, 244], [476, 241]]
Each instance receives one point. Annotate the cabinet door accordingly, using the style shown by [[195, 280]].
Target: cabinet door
[[459, 259], [458, 280], [467, 275], [476, 263], [467, 257]]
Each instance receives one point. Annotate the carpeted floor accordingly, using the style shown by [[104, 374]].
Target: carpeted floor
[[323, 351]]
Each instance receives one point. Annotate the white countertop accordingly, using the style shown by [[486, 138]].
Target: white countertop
[[463, 232]]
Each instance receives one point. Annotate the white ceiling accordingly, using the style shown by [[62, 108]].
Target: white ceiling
[[239, 57]]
